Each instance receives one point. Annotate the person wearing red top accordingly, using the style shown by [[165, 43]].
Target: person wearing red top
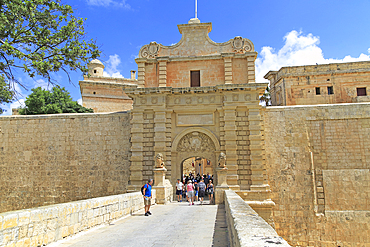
[[190, 189]]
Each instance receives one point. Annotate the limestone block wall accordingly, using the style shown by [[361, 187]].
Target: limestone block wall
[[44, 225], [318, 164], [61, 158]]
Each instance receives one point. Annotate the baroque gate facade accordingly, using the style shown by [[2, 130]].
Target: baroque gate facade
[[198, 98]]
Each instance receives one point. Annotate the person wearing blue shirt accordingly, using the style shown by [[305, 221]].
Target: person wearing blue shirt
[[147, 192]]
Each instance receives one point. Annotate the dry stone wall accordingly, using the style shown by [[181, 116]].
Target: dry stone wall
[[318, 163], [61, 158]]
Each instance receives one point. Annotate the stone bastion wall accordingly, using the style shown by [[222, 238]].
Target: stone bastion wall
[[317, 157], [318, 164], [60, 158]]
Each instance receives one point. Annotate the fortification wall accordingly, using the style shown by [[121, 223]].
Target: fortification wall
[[61, 158], [318, 163]]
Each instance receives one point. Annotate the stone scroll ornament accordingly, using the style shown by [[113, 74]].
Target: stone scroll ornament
[[150, 51], [222, 160], [159, 161], [241, 45]]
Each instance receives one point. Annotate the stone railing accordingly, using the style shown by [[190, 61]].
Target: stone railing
[[44, 225], [246, 227]]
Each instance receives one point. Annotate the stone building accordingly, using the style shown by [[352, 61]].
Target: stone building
[[320, 84], [105, 94]]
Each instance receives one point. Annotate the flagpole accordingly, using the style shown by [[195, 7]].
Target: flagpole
[[196, 9]]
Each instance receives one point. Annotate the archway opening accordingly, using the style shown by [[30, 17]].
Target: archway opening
[[196, 169]]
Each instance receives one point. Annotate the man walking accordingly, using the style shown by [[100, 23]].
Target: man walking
[[179, 186], [147, 192], [202, 190]]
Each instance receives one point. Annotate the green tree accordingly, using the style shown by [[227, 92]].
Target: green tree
[[266, 97], [6, 96], [58, 100], [40, 37]]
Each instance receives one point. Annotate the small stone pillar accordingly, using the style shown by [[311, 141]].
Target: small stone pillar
[[159, 176], [221, 185], [163, 187], [221, 179]]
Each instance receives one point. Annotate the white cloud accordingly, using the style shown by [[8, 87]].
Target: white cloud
[[111, 67], [108, 3], [43, 84], [79, 101], [8, 107], [299, 49], [368, 50]]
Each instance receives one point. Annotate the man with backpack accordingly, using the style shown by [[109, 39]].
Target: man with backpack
[[147, 193], [202, 190]]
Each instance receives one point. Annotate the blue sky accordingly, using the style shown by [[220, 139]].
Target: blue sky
[[284, 33]]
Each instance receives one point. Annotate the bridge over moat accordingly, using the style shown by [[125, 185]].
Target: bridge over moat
[[174, 224]]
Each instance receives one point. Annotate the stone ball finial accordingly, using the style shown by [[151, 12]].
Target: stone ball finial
[[194, 21], [96, 68], [222, 160], [159, 161]]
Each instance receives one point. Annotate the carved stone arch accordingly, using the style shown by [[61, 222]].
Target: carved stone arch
[[203, 133], [198, 138]]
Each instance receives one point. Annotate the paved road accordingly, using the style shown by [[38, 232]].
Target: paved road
[[175, 224]]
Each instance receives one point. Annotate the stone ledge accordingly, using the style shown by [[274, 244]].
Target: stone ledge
[[246, 227], [44, 225], [65, 115]]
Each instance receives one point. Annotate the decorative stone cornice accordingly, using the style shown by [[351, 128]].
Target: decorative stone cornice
[[193, 90]]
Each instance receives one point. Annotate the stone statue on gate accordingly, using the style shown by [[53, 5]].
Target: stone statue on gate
[[222, 160], [159, 161]]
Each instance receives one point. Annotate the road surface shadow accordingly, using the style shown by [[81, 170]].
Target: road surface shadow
[[220, 234]]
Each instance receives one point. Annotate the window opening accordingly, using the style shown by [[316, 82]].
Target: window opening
[[330, 90], [361, 91], [94, 71], [317, 91], [195, 78]]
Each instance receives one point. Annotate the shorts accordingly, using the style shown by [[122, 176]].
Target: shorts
[[201, 193], [210, 191], [178, 192], [147, 201], [190, 193], [196, 193]]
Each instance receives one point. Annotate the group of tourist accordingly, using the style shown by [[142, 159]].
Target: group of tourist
[[195, 188]]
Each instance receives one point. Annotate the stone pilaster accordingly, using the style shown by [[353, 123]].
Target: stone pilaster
[[251, 70], [168, 143], [141, 74], [162, 72], [228, 70], [137, 137], [160, 132], [231, 146], [257, 150]]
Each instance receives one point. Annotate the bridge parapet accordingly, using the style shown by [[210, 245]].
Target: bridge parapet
[[44, 225], [246, 227]]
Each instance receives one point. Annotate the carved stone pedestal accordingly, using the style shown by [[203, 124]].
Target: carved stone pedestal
[[221, 185], [163, 187]]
